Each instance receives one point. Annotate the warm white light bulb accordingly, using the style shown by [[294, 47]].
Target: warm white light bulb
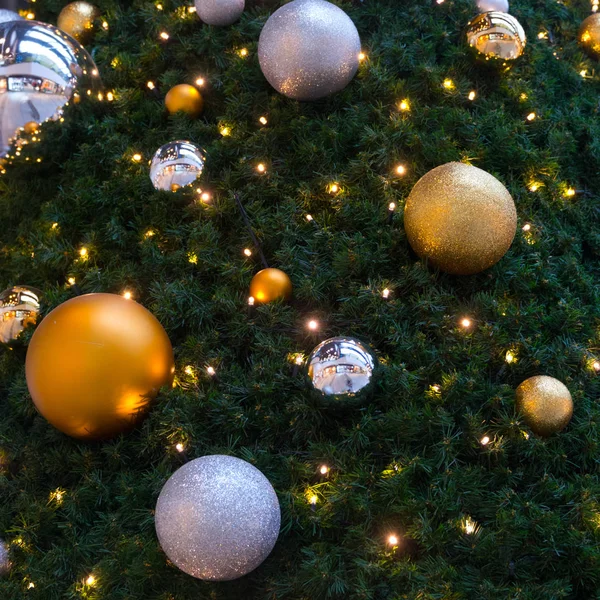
[[393, 540], [386, 293], [127, 295], [250, 300], [466, 323], [313, 325], [485, 440], [91, 580], [324, 469], [179, 447], [210, 371]]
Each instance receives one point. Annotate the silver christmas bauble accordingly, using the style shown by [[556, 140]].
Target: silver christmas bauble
[[309, 49], [492, 5], [40, 68], [4, 559], [496, 36], [8, 15], [19, 307], [342, 368], [219, 12], [217, 518], [175, 165]]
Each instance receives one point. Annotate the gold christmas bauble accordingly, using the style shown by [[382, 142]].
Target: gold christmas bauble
[[545, 404], [95, 363], [460, 218], [31, 127], [496, 36], [185, 98], [77, 19], [589, 35], [270, 284]]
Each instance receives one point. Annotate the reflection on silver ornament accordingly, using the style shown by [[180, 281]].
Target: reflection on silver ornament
[[496, 36], [19, 307], [8, 15], [341, 368], [309, 49], [4, 559], [492, 5], [219, 12], [217, 518], [40, 68], [175, 165]]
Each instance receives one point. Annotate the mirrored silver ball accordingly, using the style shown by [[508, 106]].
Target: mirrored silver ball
[[19, 307], [175, 165], [492, 5], [496, 36], [40, 68], [8, 15], [342, 368]]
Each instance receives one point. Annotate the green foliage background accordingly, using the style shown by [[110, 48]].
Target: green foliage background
[[409, 460]]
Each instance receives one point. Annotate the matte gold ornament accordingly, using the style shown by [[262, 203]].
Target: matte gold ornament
[[185, 98], [545, 403], [589, 35], [270, 284], [496, 36], [95, 363], [460, 218], [19, 307], [77, 19]]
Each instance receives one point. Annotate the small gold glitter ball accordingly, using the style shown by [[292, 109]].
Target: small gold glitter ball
[[77, 19], [270, 284], [185, 98], [589, 35], [545, 404], [460, 218]]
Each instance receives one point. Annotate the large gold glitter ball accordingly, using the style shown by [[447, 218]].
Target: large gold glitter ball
[[460, 218], [269, 285], [496, 36], [185, 98], [545, 404], [77, 19], [589, 35]]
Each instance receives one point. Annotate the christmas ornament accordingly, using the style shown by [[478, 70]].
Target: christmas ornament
[[270, 284], [460, 218], [342, 368], [19, 307], [77, 19], [40, 69], [219, 12], [589, 35], [496, 36], [492, 5], [8, 15], [4, 559], [309, 49], [217, 518], [185, 98], [176, 164], [545, 404], [95, 363]]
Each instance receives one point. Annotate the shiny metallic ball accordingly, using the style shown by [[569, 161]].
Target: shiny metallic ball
[[341, 369], [8, 15], [19, 307], [219, 12], [589, 35], [309, 49], [4, 559], [217, 518], [496, 36], [492, 5], [175, 165], [40, 68]]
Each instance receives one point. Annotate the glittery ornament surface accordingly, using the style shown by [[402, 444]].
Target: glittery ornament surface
[[496, 36], [492, 5], [589, 35], [219, 12], [309, 49], [461, 218], [19, 307], [77, 19], [4, 559], [175, 165], [545, 404], [217, 518]]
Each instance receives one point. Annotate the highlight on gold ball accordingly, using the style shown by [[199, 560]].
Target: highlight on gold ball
[[184, 98], [269, 285]]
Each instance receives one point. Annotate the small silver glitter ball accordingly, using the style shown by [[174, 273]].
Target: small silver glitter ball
[[19, 307], [217, 518], [175, 165], [342, 368], [8, 15], [309, 49], [492, 5], [219, 12], [4, 559]]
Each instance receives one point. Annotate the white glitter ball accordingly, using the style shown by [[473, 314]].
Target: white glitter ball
[[492, 5], [219, 12], [217, 518]]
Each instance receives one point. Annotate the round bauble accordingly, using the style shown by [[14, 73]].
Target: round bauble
[[77, 19], [496, 36], [219, 12], [492, 5], [342, 369], [217, 518], [589, 35], [8, 15], [175, 165], [460, 218], [19, 307], [184, 98], [41, 67], [270, 284], [4, 559], [95, 363], [545, 403], [309, 49]]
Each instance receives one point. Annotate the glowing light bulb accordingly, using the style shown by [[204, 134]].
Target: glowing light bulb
[[71, 281], [324, 470], [91, 580], [191, 9], [189, 370], [247, 252], [210, 371], [127, 295], [485, 440], [30, 16], [159, 7], [313, 325], [225, 131], [260, 167], [137, 157], [31, 585], [179, 447], [435, 388], [149, 233], [83, 252], [362, 56], [200, 81], [472, 95], [393, 540], [400, 170], [509, 357], [583, 73], [534, 187], [150, 85], [110, 96], [392, 206], [334, 188], [466, 323], [105, 25], [164, 35], [386, 293], [54, 225], [527, 227], [243, 52], [570, 192], [300, 359], [404, 105], [313, 500], [448, 84], [469, 526], [531, 116], [542, 35], [263, 120], [596, 365], [193, 258], [250, 300], [205, 197], [309, 218]]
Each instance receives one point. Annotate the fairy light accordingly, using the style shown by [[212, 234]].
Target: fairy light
[[31, 585], [472, 95], [159, 7], [137, 157], [244, 52], [534, 187], [448, 84], [127, 295], [91, 580], [400, 170], [105, 25], [436, 388], [386, 293], [83, 252], [469, 526], [334, 188], [205, 196], [542, 35], [583, 73], [191, 9], [313, 325], [247, 252], [466, 322], [404, 105], [150, 233], [200, 81], [596, 365], [210, 371], [179, 447], [250, 300], [393, 540], [71, 281], [362, 56], [192, 258], [189, 370], [570, 192], [485, 440], [260, 167], [527, 227], [392, 206], [110, 96], [263, 120], [313, 500], [324, 469], [164, 35], [100, 96], [150, 85], [225, 131], [531, 116], [299, 359], [54, 225], [57, 496], [309, 218], [30, 16], [510, 357]]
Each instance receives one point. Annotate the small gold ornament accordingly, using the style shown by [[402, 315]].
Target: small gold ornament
[[496, 36], [589, 35], [460, 218], [77, 19], [185, 98], [31, 127], [545, 403], [270, 284]]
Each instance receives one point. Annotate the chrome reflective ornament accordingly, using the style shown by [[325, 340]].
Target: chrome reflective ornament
[[4, 559], [496, 36], [19, 307], [176, 164], [341, 368], [8, 15], [40, 68]]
